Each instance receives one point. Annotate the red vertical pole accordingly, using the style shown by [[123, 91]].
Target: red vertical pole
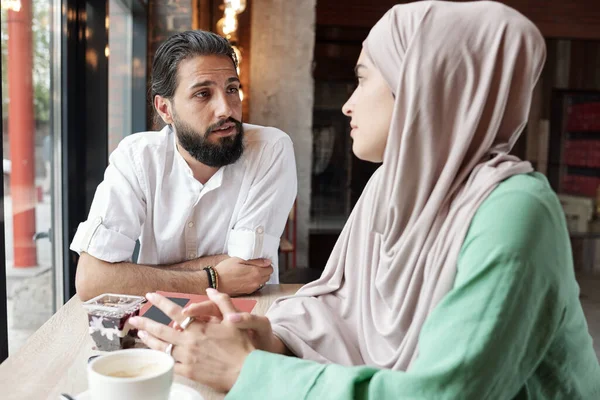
[[21, 131]]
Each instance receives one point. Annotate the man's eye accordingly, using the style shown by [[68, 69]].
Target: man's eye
[[234, 90], [203, 93]]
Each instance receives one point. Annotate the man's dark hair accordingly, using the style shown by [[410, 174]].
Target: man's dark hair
[[178, 48]]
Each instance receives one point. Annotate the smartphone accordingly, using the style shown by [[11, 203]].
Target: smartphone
[[155, 314]]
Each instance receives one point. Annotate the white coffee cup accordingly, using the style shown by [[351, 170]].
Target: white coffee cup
[[133, 374]]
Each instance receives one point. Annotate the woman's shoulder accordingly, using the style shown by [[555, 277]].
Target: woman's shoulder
[[520, 201], [519, 232], [521, 217], [533, 184]]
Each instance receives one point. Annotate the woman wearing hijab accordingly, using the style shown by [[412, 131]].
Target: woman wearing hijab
[[453, 277]]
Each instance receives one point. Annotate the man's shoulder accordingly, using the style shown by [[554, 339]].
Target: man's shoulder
[[263, 134], [144, 152], [145, 140], [145, 148]]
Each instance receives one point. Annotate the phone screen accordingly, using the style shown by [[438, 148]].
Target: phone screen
[[155, 314]]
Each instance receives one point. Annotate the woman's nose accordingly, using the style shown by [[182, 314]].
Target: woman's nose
[[347, 109], [349, 105]]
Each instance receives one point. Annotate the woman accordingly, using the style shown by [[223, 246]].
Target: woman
[[453, 276]]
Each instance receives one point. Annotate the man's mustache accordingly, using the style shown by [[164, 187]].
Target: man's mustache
[[219, 124]]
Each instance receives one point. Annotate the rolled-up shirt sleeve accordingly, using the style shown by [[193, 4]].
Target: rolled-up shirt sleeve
[[262, 219], [117, 213]]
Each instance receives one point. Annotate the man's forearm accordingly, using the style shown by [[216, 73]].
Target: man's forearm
[[95, 277], [194, 265]]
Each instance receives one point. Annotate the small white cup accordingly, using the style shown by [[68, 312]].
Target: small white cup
[[135, 374]]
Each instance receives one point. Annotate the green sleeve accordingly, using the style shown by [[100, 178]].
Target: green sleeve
[[273, 376], [483, 340]]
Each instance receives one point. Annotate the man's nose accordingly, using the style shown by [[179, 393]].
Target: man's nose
[[223, 109]]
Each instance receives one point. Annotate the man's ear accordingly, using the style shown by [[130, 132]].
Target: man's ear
[[164, 108]]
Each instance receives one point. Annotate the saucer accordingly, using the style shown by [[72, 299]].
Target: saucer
[[178, 392]]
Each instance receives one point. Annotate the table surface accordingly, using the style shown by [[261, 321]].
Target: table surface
[[54, 359]]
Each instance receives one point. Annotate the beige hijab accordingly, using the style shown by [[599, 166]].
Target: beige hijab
[[462, 75]]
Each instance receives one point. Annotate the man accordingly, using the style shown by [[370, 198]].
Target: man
[[207, 196]]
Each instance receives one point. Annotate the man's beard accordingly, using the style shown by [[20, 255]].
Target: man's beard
[[224, 152]]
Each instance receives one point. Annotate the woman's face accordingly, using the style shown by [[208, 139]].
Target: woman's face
[[370, 108]]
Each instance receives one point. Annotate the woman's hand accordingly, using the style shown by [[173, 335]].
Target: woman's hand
[[220, 308], [209, 353]]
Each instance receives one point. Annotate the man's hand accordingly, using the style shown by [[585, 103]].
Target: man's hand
[[238, 277]]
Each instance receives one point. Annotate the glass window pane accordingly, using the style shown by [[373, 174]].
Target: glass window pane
[[27, 165], [119, 72]]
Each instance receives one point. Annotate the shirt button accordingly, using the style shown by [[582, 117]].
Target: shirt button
[[260, 230], [191, 225], [192, 255]]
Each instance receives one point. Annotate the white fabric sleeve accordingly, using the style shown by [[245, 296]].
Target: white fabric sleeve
[[117, 213], [261, 221]]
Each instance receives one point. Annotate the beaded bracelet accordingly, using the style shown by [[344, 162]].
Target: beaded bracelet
[[216, 280], [213, 277], [210, 278]]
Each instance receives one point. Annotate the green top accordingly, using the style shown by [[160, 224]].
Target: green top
[[512, 327]]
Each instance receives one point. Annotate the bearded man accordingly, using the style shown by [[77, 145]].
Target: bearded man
[[207, 197]]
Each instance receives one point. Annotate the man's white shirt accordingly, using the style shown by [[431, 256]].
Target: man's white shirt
[[149, 193]]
